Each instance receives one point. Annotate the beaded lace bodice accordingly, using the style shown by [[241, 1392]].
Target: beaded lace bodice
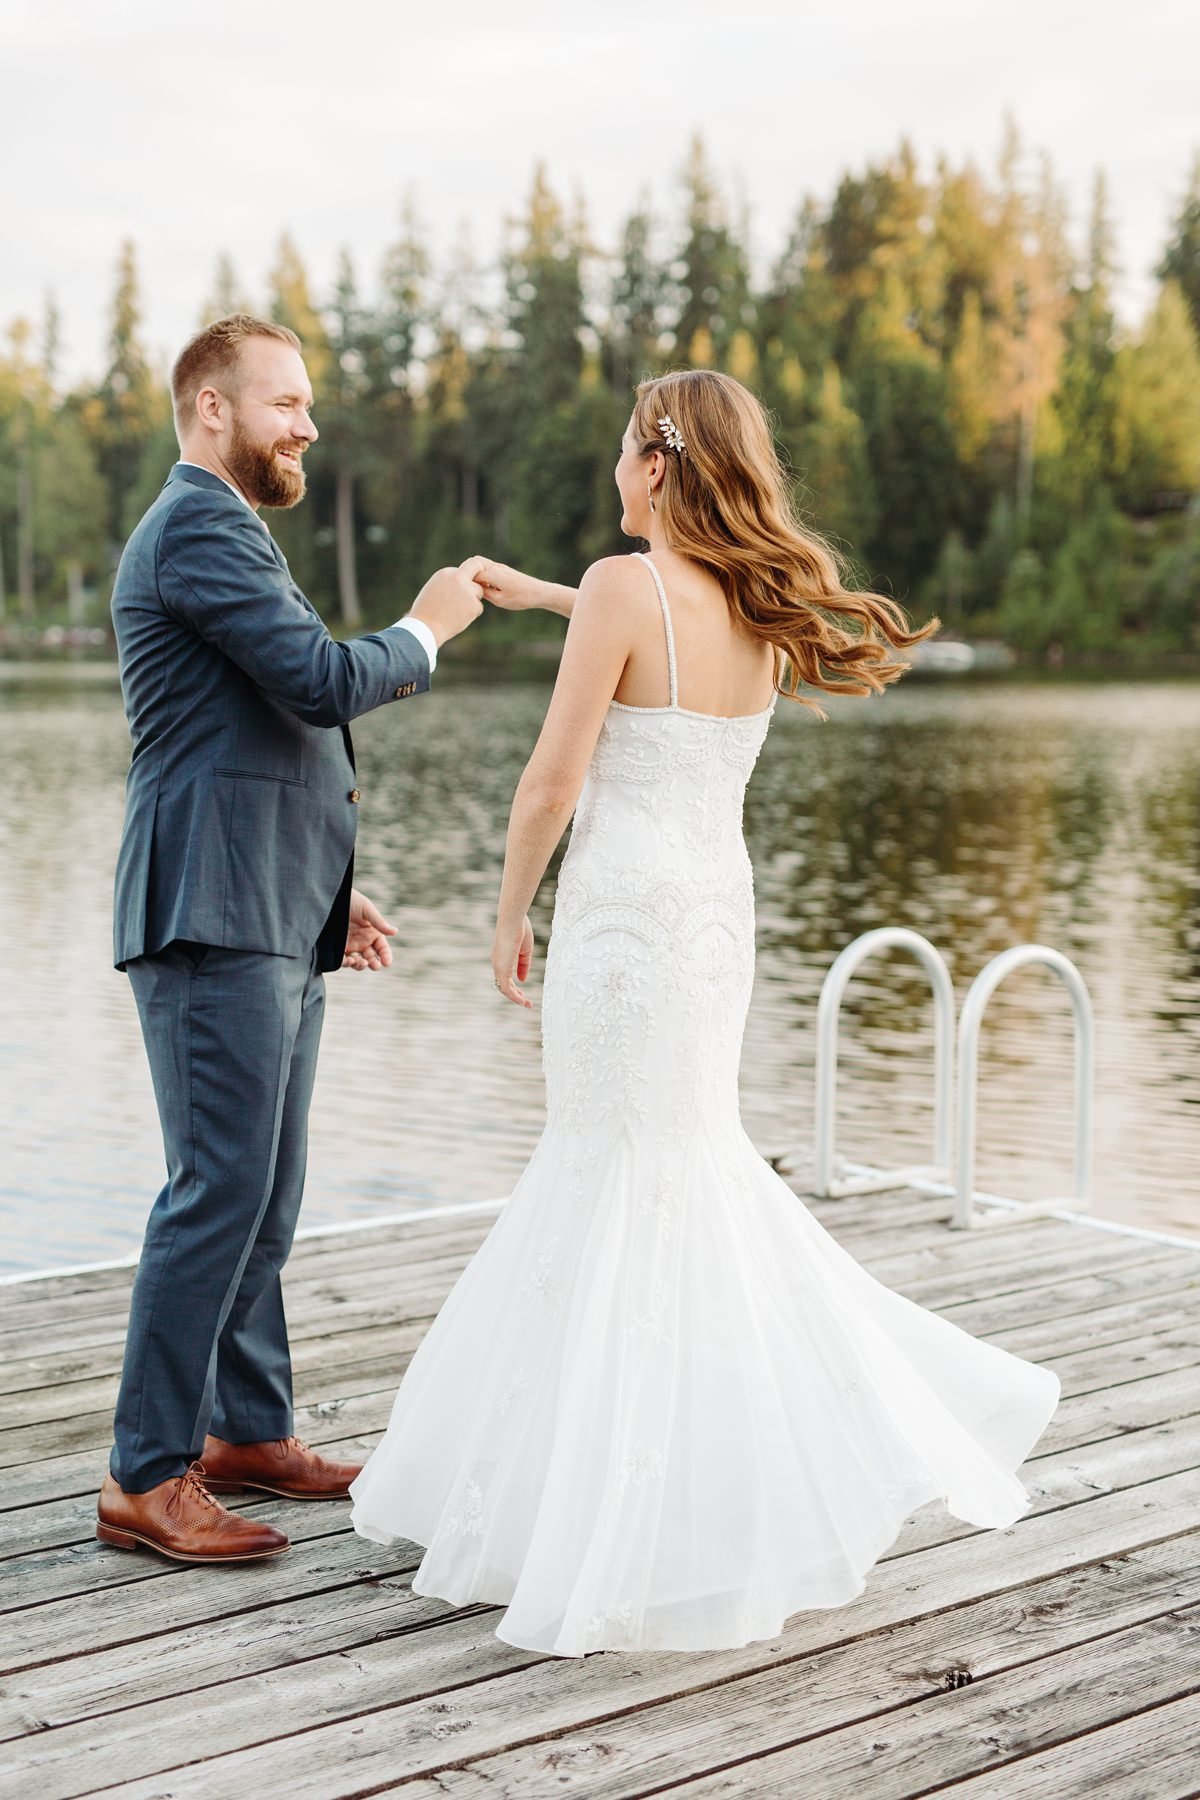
[[654, 915]]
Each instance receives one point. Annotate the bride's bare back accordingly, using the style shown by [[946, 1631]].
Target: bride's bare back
[[721, 670]]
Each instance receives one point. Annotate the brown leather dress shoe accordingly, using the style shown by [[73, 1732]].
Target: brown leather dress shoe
[[181, 1519], [280, 1466]]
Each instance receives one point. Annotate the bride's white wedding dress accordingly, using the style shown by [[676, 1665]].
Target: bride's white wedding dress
[[661, 1407]]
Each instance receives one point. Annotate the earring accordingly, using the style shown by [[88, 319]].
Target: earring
[[650, 496]]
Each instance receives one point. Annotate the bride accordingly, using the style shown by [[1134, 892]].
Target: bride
[[661, 1407]]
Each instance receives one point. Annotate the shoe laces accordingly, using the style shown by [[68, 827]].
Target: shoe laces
[[191, 1482], [283, 1445]]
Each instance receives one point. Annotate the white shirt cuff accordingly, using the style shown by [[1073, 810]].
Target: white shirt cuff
[[424, 637]]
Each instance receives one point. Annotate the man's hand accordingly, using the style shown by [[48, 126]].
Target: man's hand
[[367, 944], [512, 956], [450, 600], [515, 591]]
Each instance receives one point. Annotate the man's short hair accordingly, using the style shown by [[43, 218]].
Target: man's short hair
[[214, 356]]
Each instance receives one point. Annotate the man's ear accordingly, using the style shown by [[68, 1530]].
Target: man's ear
[[210, 407]]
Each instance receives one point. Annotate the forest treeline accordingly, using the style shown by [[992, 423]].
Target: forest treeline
[[948, 384]]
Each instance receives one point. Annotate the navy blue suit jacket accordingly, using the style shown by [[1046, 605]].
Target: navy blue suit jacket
[[241, 803]]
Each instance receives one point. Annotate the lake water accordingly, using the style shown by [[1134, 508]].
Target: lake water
[[981, 814]]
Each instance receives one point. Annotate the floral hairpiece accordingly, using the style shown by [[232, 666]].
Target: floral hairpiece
[[672, 434]]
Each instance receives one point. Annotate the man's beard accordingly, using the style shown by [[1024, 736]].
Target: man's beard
[[258, 474]]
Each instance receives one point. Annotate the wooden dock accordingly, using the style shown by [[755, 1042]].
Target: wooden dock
[[1058, 1658]]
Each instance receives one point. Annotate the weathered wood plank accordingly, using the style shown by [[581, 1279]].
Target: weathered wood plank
[[1152, 1756], [1038, 1250], [1171, 1342], [459, 1656], [628, 1743], [1059, 1318], [1101, 1466], [370, 1277], [88, 1566], [80, 1565], [1066, 1333], [420, 1239], [989, 1727], [118, 1658], [980, 1312], [1135, 1402], [38, 1369], [182, 1594], [1037, 1546], [883, 1213], [81, 1471], [99, 1294], [343, 1359], [70, 1518]]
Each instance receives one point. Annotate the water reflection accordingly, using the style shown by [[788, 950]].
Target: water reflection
[[979, 815]]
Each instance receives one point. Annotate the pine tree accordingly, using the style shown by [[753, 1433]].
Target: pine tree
[[132, 402], [551, 475], [1085, 397], [292, 304], [227, 295], [712, 276], [1157, 408], [831, 461], [635, 303], [345, 424], [1181, 259], [305, 532]]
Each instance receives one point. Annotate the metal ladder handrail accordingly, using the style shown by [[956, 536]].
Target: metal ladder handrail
[[970, 1019], [832, 991]]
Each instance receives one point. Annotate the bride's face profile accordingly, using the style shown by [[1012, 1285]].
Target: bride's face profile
[[632, 473]]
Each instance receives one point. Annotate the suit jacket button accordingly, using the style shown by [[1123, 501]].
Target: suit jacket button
[[355, 794]]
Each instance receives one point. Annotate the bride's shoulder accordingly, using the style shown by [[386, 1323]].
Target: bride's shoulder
[[626, 567], [614, 581]]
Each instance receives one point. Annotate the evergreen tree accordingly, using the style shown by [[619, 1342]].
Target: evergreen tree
[[70, 537], [1157, 408], [227, 294], [356, 364], [132, 401], [25, 405], [1085, 397], [1181, 259], [635, 304], [831, 458], [797, 320], [292, 305], [399, 354], [304, 532], [551, 476], [903, 403], [712, 296]]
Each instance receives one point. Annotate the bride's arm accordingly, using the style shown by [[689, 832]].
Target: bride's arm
[[514, 591], [595, 650]]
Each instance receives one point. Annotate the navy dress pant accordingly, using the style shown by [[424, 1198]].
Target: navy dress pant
[[232, 1039]]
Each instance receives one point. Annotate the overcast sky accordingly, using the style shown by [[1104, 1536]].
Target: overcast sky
[[210, 128]]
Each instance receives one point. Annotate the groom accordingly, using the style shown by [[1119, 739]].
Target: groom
[[234, 897]]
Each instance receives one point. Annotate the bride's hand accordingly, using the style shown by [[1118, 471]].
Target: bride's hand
[[508, 588], [512, 956]]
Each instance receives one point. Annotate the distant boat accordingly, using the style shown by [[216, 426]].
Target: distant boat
[[951, 656]]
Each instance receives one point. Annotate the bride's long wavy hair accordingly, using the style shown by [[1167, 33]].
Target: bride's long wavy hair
[[725, 502]]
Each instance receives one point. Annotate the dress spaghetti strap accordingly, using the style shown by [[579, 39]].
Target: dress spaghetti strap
[[666, 613]]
